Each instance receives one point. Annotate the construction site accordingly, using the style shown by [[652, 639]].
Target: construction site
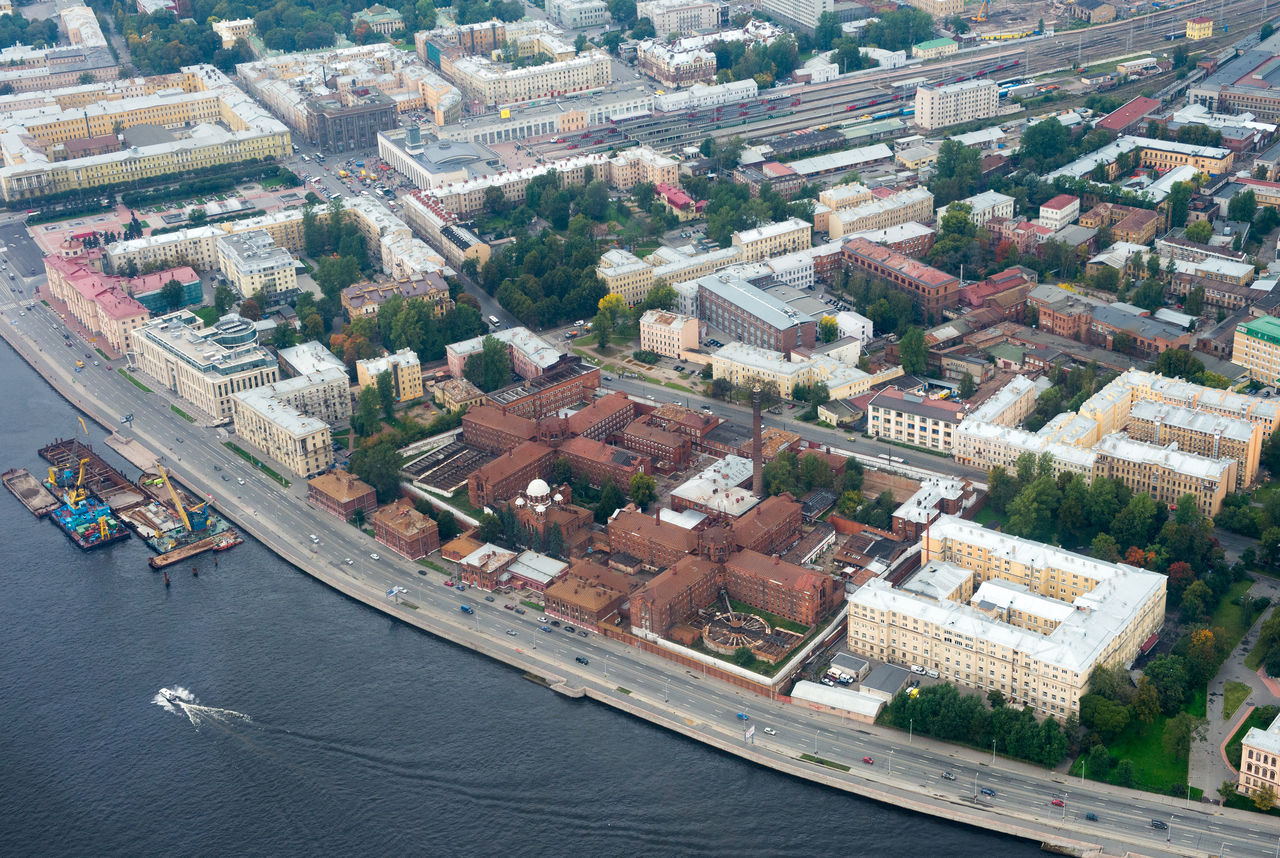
[[100, 506]]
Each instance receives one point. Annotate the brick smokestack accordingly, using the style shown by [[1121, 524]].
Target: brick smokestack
[[757, 445]]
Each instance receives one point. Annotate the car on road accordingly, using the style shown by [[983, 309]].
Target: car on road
[[449, 583], [348, 561], [1091, 816], [544, 628], [509, 606], [581, 660], [1159, 824], [240, 480], [1057, 802], [375, 556], [868, 761], [584, 634], [743, 716], [461, 588], [947, 776], [570, 629], [488, 598], [988, 791], [511, 632], [771, 731], [555, 623], [542, 619], [519, 610]]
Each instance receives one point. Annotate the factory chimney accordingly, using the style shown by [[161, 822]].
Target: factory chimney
[[757, 452]]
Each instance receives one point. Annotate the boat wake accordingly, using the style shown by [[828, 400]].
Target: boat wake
[[181, 701]]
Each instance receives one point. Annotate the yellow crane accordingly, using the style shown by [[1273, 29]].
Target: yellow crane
[[982, 12], [84, 427], [177, 502], [80, 479], [75, 496]]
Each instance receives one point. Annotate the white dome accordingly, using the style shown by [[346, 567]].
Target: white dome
[[519, 501], [558, 498], [538, 488]]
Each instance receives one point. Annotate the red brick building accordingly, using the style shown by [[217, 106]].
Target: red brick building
[[342, 493], [540, 508], [485, 566], [404, 530], [932, 289], [677, 593], [566, 385], [588, 594], [683, 421], [670, 450], [488, 428], [781, 588], [603, 418], [769, 527], [657, 544], [508, 475], [599, 462]]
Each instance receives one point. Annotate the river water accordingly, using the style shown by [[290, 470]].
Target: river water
[[322, 727]]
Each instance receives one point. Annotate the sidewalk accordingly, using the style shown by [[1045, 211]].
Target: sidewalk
[[1208, 764]]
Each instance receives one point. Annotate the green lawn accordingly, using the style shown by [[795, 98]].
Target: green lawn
[[988, 516], [208, 315], [534, 605], [1229, 617], [779, 622], [461, 504], [1260, 718], [1154, 770], [1253, 660], [1234, 694]]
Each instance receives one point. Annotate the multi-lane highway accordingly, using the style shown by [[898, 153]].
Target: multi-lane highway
[[907, 770]]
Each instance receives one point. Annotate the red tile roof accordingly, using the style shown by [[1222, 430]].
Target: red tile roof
[[1060, 202], [1124, 116]]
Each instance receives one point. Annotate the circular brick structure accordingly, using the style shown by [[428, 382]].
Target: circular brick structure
[[729, 632]]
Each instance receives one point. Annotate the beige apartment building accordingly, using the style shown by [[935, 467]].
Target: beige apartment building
[[1200, 432], [679, 16], [626, 275], [667, 333], [915, 420], [496, 83], [266, 418], [941, 10], [774, 239], [997, 613], [1260, 759], [952, 104], [1166, 473], [913, 204], [252, 262], [406, 373], [198, 246], [204, 366]]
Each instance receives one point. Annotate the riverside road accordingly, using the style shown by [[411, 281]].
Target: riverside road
[[907, 770]]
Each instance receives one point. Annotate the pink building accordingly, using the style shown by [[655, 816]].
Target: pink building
[[97, 301]]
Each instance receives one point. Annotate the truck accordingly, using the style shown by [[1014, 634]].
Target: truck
[[359, 163], [466, 609], [343, 174]]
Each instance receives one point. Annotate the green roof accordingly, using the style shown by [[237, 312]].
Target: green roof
[[1263, 328], [936, 43]]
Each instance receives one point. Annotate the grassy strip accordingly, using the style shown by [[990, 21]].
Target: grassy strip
[[622, 690], [101, 352], [135, 382], [534, 605], [425, 562], [681, 387], [184, 415], [1234, 694], [244, 454], [810, 758], [460, 504], [410, 605]]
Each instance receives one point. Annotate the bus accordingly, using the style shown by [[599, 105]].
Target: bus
[[493, 320]]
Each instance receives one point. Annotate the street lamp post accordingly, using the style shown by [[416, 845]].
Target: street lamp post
[[891, 762], [911, 729], [993, 751]]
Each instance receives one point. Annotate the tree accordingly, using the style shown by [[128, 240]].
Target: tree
[[610, 500], [643, 29], [827, 31], [815, 473], [489, 368], [1122, 342], [386, 394], [967, 386], [1169, 675], [365, 420], [644, 489], [284, 336], [1178, 200], [250, 310], [171, 295], [1146, 702], [1124, 774], [1104, 548], [490, 528], [1098, 762], [379, 466], [1264, 797], [828, 329], [1242, 207], [957, 172], [1200, 232], [912, 354], [223, 298]]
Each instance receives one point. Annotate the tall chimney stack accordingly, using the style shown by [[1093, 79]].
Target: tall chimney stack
[[757, 445]]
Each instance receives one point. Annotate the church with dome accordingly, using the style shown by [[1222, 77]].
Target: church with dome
[[541, 510]]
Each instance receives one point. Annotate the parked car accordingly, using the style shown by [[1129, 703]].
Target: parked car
[[570, 629], [519, 610], [509, 606], [545, 628]]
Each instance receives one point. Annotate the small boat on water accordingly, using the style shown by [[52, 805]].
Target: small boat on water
[[171, 697]]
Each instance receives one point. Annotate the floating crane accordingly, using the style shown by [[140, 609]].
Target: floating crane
[[199, 512]]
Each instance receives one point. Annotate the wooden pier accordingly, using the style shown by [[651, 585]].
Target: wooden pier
[[28, 489]]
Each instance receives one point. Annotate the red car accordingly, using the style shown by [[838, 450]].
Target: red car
[[449, 583], [1057, 802], [868, 761]]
